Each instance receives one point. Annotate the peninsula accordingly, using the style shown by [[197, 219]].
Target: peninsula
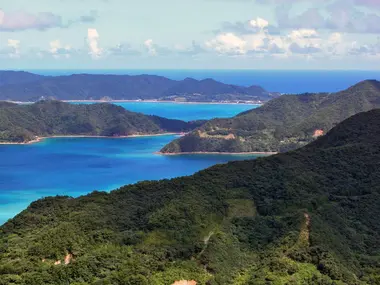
[[30, 122]]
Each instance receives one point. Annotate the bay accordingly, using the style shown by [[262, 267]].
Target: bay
[[77, 166], [184, 111]]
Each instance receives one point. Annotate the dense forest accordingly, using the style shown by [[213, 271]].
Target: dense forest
[[23, 86], [23, 123], [282, 124], [309, 216]]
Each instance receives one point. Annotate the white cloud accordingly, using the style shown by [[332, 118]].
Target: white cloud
[[228, 43], [22, 20], [297, 42], [57, 50], [150, 47], [259, 23], [14, 48], [303, 34], [93, 43], [336, 38]]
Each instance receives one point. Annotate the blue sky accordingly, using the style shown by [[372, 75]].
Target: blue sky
[[190, 34]]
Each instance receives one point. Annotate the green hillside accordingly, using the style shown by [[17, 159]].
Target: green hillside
[[284, 123], [308, 216], [22, 123]]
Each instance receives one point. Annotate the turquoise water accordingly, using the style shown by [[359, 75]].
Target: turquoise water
[[186, 112], [76, 166]]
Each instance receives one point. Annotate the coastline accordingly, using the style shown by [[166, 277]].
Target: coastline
[[156, 101], [142, 101], [219, 153], [39, 139]]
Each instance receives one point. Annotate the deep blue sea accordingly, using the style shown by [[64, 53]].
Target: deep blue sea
[[284, 81], [77, 166]]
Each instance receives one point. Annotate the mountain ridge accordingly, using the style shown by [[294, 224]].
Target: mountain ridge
[[31, 87], [25, 123], [281, 124]]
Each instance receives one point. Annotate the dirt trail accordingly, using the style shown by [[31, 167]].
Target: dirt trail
[[306, 231], [185, 282]]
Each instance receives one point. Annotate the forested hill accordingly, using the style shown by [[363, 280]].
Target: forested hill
[[309, 216], [23, 86], [284, 123], [17, 77], [23, 123]]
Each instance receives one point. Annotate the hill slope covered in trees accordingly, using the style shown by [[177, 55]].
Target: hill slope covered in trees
[[308, 216], [23, 123], [284, 123]]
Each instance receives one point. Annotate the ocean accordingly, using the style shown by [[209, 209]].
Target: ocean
[[284, 81]]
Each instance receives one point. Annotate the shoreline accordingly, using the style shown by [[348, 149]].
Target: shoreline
[[156, 101], [219, 153], [39, 139], [140, 101]]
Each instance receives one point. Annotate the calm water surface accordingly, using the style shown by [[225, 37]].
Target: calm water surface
[[185, 112]]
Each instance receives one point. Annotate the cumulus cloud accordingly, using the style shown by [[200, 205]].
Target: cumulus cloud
[[122, 50], [365, 49], [306, 49], [150, 46], [295, 42], [247, 27], [339, 17], [93, 43], [259, 23], [58, 51], [14, 48], [21, 20], [227, 44]]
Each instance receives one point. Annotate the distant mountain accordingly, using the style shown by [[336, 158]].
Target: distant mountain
[[125, 87], [211, 90], [310, 216], [23, 123], [284, 123], [17, 77]]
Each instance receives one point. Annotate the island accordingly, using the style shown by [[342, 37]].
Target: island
[[309, 216], [282, 124], [24, 86], [31, 122]]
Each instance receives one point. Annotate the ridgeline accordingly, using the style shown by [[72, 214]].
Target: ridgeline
[[282, 124], [24, 86], [23, 123]]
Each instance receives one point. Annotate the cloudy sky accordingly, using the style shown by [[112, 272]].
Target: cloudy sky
[[190, 34]]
